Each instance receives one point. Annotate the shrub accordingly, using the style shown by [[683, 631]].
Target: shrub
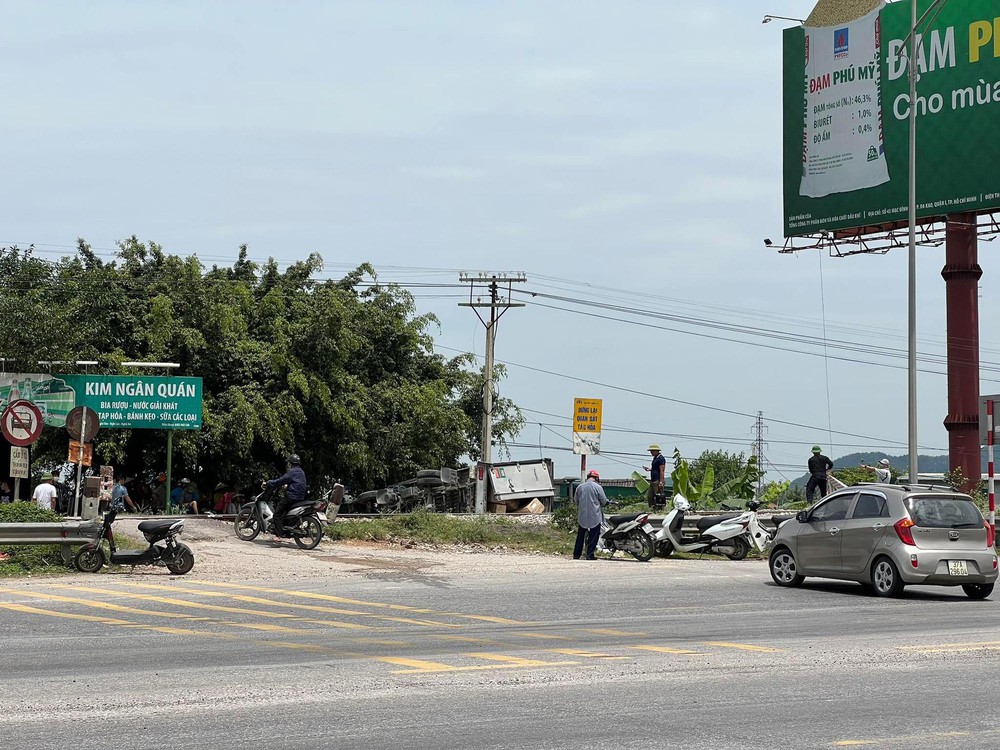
[[29, 559]]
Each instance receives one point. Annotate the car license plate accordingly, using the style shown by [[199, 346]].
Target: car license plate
[[958, 568], [648, 528]]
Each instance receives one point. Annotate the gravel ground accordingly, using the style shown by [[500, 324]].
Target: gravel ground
[[220, 556]]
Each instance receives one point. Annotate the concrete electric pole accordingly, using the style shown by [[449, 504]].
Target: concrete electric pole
[[490, 283]]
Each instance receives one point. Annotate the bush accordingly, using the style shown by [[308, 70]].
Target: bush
[[22, 559]]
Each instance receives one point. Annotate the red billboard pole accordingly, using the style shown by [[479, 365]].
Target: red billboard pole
[[961, 275]]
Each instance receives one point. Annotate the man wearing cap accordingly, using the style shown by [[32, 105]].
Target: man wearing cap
[[590, 500], [882, 473], [654, 495], [818, 466], [45, 494]]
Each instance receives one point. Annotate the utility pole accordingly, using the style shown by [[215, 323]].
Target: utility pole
[[491, 284], [758, 449]]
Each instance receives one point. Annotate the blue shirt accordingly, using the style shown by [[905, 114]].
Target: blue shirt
[[591, 500], [118, 495], [295, 480], [657, 468]]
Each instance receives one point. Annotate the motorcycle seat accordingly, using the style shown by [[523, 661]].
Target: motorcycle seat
[[156, 525], [778, 520], [709, 521], [624, 518]]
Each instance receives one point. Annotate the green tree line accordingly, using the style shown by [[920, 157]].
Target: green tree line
[[342, 371]]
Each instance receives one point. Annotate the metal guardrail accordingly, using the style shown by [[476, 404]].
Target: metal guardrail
[[66, 533]]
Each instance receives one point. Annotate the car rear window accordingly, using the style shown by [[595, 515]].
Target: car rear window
[[944, 512]]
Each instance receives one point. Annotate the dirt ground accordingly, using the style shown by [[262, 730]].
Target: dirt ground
[[221, 556]]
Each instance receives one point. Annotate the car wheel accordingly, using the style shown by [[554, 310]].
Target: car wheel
[[977, 590], [784, 570], [885, 578]]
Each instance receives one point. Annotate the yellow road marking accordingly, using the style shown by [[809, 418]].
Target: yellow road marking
[[419, 666], [744, 647], [67, 615], [612, 631], [104, 605], [465, 638], [937, 648], [546, 636], [908, 738], [310, 607], [416, 665], [588, 654], [665, 650], [510, 659], [178, 631], [216, 608], [356, 602]]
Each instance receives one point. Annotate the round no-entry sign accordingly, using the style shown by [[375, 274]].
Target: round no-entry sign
[[21, 423]]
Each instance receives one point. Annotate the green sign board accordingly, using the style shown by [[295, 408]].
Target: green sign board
[[167, 403], [846, 108]]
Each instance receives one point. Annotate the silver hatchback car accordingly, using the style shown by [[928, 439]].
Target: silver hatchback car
[[888, 536]]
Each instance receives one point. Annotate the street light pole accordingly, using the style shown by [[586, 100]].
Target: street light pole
[[912, 275]]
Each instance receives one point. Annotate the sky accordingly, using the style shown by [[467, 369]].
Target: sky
[[626, 157]]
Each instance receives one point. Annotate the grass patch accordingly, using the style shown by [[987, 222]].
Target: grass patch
[[491, 532], [21, 560]]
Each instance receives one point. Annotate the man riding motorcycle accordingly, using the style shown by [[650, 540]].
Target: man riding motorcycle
[[294, 480]]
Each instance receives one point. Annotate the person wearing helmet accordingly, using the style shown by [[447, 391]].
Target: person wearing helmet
[[654, 495], [294, 482], [590, 500], [882, 473], [819, 465]]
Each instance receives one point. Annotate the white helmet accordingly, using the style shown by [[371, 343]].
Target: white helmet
[[681, 503], [883, 462]]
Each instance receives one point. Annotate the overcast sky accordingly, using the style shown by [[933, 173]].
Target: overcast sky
[[622, 153]]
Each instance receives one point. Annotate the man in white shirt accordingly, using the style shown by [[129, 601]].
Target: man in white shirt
[[45, 494], [882, 473]]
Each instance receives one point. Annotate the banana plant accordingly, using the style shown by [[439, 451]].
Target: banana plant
[[707, 494]]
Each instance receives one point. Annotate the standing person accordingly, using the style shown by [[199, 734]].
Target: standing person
[[882, 473], [294, 479], [45, 494], [590, 499], [6, 493], [819, 465], [120, 499], [654, 496], [160, 494]]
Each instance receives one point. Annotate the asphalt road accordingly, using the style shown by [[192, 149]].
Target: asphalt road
[[669, 654]]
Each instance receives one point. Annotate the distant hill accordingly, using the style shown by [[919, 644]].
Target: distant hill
[[929, 464]]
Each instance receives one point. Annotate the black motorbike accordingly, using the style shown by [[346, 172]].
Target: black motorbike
[[304, 521], [163, 549]]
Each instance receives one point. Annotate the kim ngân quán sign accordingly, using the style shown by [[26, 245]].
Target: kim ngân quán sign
[[846, 117]]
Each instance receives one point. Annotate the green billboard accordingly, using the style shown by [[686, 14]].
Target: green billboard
[[846, 109], [169, 403]]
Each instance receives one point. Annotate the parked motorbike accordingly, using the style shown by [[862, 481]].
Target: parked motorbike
[[304, 521], [163, 549], [729, 534], [629, 532]]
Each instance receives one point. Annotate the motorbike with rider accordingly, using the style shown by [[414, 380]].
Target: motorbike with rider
[[296, 489]]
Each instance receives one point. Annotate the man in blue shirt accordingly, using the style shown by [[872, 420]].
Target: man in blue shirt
[[294, 480], [120, 498], [654, 496]]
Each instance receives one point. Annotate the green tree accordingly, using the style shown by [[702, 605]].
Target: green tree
[[341, 371]]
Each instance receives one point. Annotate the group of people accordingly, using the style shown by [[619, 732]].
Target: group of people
[[591, 498]]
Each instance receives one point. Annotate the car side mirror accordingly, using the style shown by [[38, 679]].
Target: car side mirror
[[802, 516]]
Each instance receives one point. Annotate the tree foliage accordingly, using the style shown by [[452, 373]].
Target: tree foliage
[[340, 371]]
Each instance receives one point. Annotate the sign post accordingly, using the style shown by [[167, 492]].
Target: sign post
[[19, 465], [587, 413], [82, 425]]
